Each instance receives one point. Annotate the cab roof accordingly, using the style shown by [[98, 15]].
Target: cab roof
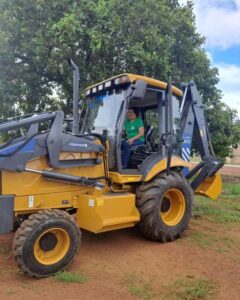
[[134, 77]]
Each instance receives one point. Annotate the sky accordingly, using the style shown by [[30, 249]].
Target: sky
[[219, 22]]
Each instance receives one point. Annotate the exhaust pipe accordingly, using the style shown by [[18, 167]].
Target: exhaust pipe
[[76, 78]]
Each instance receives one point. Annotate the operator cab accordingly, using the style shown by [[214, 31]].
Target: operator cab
[[104, 111], [151, 109]]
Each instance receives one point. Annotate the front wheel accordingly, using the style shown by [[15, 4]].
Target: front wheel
[[46, 243], [165, 206]]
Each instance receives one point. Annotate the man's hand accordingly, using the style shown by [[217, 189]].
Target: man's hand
[[130, 142]]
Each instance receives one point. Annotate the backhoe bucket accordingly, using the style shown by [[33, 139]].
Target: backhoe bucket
[[211, 187]]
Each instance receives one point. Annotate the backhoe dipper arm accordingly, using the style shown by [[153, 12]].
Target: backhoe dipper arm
[[193, 124]]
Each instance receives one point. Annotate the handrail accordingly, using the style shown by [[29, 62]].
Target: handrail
[[6, 126]]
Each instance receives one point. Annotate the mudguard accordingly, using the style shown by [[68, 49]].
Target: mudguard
[[156, 164]]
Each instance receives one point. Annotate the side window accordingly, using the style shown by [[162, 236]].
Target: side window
[[151, 116], [152, 119], [176, 126]]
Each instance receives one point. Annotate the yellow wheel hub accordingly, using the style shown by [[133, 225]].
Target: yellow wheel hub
[[173, 207], [52, 245]]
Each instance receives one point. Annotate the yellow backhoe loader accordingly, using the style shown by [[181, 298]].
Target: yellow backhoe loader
[[58, 176]]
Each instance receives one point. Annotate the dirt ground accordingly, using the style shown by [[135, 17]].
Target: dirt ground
[[231, 170], [111, 258], [123, 265]]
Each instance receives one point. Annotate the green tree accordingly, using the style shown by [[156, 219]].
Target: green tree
[[104, 37], [225, 132]]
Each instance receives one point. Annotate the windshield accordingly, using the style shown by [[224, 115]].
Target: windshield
[[101, 112]]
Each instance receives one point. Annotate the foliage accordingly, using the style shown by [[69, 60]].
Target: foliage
[[224, 131], [104, 37]]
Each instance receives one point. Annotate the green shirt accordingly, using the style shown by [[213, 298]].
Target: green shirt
[[132, 128]]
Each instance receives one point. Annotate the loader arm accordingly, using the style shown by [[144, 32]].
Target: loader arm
[[193, 125]]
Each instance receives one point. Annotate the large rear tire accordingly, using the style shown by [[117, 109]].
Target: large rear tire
[[165, 206], [46, 243]]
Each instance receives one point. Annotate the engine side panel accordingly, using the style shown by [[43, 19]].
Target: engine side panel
[[26, 183]]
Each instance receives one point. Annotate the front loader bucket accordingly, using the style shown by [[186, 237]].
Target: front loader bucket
[[210, 187]]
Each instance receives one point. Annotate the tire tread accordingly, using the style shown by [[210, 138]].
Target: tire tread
[[147, 201], [27, 226]]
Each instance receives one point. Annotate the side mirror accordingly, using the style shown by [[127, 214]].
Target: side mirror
[[139, 90]]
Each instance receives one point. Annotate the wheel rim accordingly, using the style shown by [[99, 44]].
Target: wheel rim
[[173, 207], [51, 246]]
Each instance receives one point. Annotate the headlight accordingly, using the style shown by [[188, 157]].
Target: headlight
[[122, 79], [100, 87], [108, 84], [94, 90], [117, 81]]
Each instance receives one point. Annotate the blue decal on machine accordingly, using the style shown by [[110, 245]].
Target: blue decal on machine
[[186, 151], [186, 147], [29, 147]]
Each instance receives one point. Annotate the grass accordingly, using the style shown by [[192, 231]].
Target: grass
[[190, 289], [4, 251], [225, 210], [230, 189], [199, 238], [235, 190], [139, 288], [206, 240], [216, 213], [193, 289], [182, 289], [68, 277], [10, 292]]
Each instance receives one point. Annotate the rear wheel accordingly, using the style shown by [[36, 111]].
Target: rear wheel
[[165, 205], [46, 243]]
